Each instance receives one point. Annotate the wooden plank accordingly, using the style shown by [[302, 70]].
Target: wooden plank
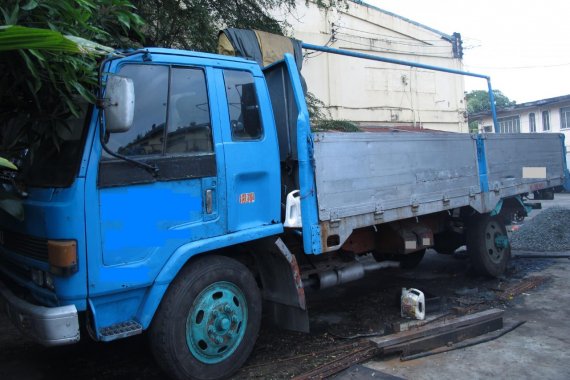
[[436, 328], [453, 335]]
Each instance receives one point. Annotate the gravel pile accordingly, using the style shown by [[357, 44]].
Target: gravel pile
[[548, 231]]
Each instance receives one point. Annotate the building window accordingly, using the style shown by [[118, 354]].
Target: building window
[[488, 129], [510, 124], [531, 122], [564, 117], [545, 121]]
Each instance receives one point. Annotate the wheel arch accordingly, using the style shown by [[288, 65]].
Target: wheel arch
[[185, 254]]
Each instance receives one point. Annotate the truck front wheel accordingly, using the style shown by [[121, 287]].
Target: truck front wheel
[[488, 245], [207, 324]]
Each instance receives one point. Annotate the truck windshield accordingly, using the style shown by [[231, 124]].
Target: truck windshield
[[55, 163]]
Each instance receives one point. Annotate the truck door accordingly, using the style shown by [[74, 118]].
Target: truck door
[[251, 150], [145, 216]]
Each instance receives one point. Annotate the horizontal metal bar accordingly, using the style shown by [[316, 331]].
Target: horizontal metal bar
[[371, 57], [390, 60]]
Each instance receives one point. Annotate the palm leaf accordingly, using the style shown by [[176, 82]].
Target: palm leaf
[[4, 163], [14, 37]]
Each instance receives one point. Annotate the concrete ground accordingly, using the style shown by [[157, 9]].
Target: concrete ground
[[539, 349]]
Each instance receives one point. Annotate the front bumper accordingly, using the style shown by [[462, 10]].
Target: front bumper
[[50, 326]]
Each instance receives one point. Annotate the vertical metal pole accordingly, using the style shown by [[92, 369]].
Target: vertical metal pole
[[493, 108]]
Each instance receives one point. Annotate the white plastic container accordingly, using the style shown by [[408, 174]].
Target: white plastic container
[[413, 304], [293, 210]]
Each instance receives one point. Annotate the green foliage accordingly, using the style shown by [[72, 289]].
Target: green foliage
[[194, 24], [329, 4], [316, 107], [14, 37], [321, 119], [478, 101], [40, 81], [12, 205], [334, 125], [473, 127]]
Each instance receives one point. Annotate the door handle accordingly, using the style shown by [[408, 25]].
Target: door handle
[[209, 201]]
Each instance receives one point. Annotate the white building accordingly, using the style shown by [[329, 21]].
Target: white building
[[550, 115], [375, 94]]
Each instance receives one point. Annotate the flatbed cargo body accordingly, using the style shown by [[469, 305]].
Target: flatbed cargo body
[[364, 179]]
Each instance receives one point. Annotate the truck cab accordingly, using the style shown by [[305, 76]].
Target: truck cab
[[104, 236]]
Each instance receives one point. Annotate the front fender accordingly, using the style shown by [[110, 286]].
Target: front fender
[[184, 253]]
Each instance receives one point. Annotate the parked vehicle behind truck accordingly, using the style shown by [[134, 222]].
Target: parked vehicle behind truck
[[195, 192]]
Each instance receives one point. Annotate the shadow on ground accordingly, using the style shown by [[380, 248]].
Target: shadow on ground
[[354, 310]]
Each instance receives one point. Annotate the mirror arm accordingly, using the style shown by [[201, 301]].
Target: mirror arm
[[100, 100], [153, 169]]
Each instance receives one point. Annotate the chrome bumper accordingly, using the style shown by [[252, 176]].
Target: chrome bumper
[[50, 326]]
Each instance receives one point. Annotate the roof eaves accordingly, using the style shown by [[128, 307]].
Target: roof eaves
[[443, 35], [521, 106]]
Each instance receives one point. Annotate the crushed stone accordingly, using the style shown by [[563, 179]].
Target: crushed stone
[[549, 231]]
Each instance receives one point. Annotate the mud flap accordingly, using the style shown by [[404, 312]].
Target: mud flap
[[282, 286]]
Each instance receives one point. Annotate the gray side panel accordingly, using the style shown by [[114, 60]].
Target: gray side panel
[[369, 178], [508, 154], [359, 171]]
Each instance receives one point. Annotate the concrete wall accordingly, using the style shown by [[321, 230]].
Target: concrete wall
[[374, 93]]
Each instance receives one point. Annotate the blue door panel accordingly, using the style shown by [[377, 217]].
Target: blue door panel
[[134, 229], [136, 221], [252, 167]]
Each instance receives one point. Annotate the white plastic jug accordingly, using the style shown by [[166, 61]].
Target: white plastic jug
[[293, 210], [413, 304]]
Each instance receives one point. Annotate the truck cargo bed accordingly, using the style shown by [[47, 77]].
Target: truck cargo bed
[[363, 179]]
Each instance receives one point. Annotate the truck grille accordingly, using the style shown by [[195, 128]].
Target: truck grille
[[26, 245]]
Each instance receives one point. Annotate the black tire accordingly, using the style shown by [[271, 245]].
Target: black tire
[[486, 237], [197, 332], [409, 261], [447, 242]]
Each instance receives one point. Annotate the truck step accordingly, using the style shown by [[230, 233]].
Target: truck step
[[120, 330]]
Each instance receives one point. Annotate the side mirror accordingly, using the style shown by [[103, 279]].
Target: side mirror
[[120, 104]]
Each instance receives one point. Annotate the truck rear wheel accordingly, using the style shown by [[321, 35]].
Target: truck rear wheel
[[411, 260], [447, 242], [488, 245], [207, 324]]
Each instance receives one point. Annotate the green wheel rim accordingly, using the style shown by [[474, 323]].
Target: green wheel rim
[[216, 323], [496, 242]]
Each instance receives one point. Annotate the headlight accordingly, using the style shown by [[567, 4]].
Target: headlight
[[49, 281], [38, 277]]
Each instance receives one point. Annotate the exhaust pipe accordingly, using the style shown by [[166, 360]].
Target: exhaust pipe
[[346, 274]]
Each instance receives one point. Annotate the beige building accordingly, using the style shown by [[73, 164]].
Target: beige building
[[550, 115], [374, 93]]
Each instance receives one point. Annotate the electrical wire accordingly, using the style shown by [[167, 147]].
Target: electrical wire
[[384, 50], [443, 48], [388, 36], [314, 54], [518, 67]]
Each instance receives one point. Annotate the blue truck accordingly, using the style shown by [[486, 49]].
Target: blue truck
[[194, 193]]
